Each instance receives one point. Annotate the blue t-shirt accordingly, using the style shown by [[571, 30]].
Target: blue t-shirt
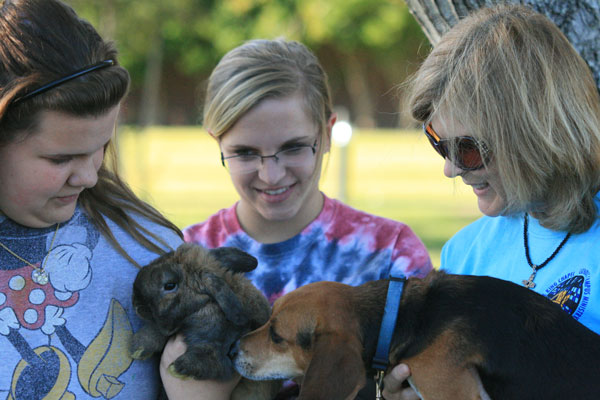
[[494, 246], [80, 321]]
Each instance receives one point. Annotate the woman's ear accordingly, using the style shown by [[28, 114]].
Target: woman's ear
[[328, 129]]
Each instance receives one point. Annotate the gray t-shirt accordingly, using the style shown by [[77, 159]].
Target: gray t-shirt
[[71, 334]]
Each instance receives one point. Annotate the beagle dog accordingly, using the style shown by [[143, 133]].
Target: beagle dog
[[463, 337]]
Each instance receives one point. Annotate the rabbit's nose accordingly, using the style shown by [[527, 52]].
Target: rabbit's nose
[[234, 350]]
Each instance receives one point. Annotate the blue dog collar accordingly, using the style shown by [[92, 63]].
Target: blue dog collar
[[388, 322]]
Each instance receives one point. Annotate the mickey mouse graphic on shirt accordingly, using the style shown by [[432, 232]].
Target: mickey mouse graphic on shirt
[[32, 314]]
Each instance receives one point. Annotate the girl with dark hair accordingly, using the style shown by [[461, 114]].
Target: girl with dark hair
[[72, 234]]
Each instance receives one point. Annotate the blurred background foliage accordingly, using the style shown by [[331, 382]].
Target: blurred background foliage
[[367, 48]]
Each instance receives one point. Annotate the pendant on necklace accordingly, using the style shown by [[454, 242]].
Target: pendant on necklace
[[39, 276], [528, 283]]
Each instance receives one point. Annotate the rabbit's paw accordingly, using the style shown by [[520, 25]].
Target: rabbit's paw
[[138, 352], [145, 344], [173, 371], [201, 365]]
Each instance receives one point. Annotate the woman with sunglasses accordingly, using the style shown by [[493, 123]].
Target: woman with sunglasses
[[72, 234], [268, 106], [515, 112]]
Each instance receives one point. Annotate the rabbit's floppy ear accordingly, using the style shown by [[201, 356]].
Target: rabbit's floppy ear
[[234, 259], [226, 299]]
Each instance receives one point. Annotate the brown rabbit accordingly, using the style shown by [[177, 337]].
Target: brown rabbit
[[203, 295]]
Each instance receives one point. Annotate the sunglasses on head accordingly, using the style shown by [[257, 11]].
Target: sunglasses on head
[[463, 151]]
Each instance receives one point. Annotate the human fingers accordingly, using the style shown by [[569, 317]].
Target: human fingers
[[185, 389], [173, 349], [393, 388]]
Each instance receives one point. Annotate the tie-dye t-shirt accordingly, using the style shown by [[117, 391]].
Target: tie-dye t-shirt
[[342, 244]]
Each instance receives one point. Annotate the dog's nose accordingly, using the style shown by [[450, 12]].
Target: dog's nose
[[233, 351]]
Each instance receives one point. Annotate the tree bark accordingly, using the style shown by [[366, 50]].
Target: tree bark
[[150, 103], [579, 20], [358, 88]]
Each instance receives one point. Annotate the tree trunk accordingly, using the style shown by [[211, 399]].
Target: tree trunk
[[150, 103], [358, 88], [578, 19]]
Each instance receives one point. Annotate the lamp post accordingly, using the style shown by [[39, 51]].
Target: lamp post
[[342, 134]]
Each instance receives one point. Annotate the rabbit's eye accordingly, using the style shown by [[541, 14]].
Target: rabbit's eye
[[170, 286]]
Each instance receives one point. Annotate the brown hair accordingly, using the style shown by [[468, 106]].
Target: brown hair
[[41, 41], [511, 78]]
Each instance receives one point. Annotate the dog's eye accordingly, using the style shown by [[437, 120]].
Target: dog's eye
[[170, 287], [274, 336]]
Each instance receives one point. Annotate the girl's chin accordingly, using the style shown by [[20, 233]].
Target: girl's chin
[[278, 215]]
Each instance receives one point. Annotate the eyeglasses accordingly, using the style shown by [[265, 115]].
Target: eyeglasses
[[60, 81], [463, 151], [296, 156]]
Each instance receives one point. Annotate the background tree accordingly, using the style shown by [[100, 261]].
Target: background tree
[[366, 46], [578, 19]]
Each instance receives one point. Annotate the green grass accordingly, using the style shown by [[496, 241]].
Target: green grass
[[394, 174]]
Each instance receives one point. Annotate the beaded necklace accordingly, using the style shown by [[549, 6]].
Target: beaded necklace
[[528, 283]]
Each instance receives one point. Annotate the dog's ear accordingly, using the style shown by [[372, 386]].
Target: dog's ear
[[226, 299], [234, 259], [336, 371]]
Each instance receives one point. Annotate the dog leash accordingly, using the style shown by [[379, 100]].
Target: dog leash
[[386, 331]]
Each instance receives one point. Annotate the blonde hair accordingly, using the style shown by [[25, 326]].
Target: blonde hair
[[43, 40], [261, 69], [511, 78]]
